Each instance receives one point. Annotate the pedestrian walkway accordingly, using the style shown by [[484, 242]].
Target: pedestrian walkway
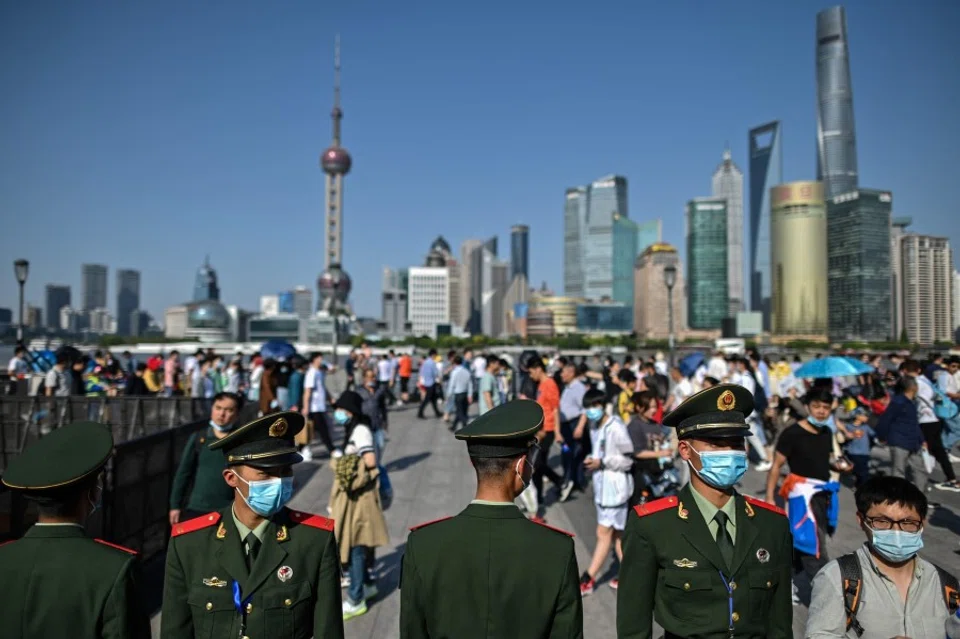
[[432, 478]]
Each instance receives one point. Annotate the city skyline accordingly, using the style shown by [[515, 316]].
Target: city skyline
[[257, 154]]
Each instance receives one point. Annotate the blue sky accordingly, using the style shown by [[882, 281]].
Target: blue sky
[[146, 135]]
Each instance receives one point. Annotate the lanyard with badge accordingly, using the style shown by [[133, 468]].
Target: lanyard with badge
[[241, 606]]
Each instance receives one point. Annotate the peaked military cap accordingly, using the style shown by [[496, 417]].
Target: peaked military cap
[[60, 461], [266, 442], [505, 431], [720, 411]]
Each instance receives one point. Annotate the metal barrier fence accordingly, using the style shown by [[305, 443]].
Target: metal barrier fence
[[150, 433]]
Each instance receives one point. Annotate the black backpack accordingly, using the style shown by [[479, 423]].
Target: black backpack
[[852, 581]]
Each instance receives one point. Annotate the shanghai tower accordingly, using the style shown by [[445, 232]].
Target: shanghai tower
[[836, 141]]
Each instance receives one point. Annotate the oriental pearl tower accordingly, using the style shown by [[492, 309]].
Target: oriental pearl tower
[[333, 285]]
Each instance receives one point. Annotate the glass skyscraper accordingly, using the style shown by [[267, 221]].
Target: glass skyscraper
[[708, 299], [836, 140], [728, 183], [128, 299], [520, 251], [94, 286], [766, 171], [574, 235], [858, 266], [648, 234]]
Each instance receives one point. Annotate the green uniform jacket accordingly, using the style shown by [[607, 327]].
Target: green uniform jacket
[[201, 472], [293, 591], [671, 571], [57, 582], [489, 572]]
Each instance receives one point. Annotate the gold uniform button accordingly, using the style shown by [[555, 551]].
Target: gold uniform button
[[735, 616], [209, 606], [249, 608], [686, 586], [769, 585], [733, 585], [287, 602]]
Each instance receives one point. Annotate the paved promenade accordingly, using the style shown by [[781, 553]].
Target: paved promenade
[[432, 478]]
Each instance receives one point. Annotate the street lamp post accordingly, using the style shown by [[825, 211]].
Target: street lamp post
[[21, 268], [670, 279]]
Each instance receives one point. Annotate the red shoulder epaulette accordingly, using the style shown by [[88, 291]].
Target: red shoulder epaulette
[[759, 503], [197, 523], [655, 506], [559, 530], [117, 546], [425, 524], [314, 521]]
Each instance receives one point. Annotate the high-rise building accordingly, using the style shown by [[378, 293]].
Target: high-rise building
[[470, 286], [440, 254], [519, 251], [575, 215], [798, 234], [707, 276], [927, 268], [858, 266], [625, 234], [57, 297], [496, 282], [766, 170], [33, 319], [302, 302], [393, 303], [205, 284], [728, 183], [836, 140], [956, 306], [128, 299], [898, 227], [650, 317], [94, 286], [648, 234], [428, 299]]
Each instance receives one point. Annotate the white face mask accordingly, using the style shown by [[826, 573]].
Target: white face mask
[[519, 474]]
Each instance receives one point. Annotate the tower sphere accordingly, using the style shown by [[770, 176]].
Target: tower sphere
[[336, 161], [334, 282]]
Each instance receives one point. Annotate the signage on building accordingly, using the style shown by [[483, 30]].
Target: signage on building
[[797, 194]]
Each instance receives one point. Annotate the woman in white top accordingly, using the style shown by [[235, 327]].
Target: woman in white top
[[610, 461]]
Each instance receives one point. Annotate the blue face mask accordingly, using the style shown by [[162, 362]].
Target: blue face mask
[[341, 416], [594, 413], [268, 496], [721, 468], [222, 429], [897, 546], [827, 423]]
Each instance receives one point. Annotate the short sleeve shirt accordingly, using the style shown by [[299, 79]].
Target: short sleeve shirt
[[360, 442], [808, 454], [548, 396], [57, 380], [318, 396], [488, 385]]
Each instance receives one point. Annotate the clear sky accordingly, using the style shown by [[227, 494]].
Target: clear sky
[[148, 134]]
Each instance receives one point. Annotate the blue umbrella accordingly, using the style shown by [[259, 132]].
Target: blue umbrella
[[864, 368], [827, 367], [277, 349], [689, 364]]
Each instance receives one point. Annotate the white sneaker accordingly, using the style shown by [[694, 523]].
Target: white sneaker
[[306, 453], [763, 467], [953, 458], [566, 491], [337, 453], [353, 610]]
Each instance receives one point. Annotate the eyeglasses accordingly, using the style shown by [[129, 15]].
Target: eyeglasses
[[885, 523]]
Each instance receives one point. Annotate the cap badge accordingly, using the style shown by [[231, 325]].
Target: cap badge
[[284, 573], [763, 555], [726, 401], [279, 427]]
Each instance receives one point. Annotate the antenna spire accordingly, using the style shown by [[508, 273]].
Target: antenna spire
[[337, 113]]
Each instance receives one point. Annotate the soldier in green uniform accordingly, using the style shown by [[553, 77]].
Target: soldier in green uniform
[[201, 469], [56, 581], [254, 569], [710, 562], [489, 571]]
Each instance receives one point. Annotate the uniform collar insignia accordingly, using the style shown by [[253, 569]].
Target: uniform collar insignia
[[749, 508], [682, 512], [684, 563], [221, 531], [215, 582], [282, 534]]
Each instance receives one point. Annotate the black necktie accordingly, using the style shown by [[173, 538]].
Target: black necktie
[[724, 541], [253, 547]]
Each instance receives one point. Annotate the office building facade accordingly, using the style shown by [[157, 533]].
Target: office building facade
[[648, 234], [927, 271], [604, 318], [898, 228], [798, 233], [428, 299], [858, 266], [766, 171], [575, 216], [94, 286], [57, 297], [708, 302], [520, 251], [651, 297], [128, 299], [728, 184], [836, 139]]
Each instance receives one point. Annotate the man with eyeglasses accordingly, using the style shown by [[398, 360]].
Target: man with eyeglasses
[[884, 589]]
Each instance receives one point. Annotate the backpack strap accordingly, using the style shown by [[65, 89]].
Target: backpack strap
[[951, 590], [851, 581]]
